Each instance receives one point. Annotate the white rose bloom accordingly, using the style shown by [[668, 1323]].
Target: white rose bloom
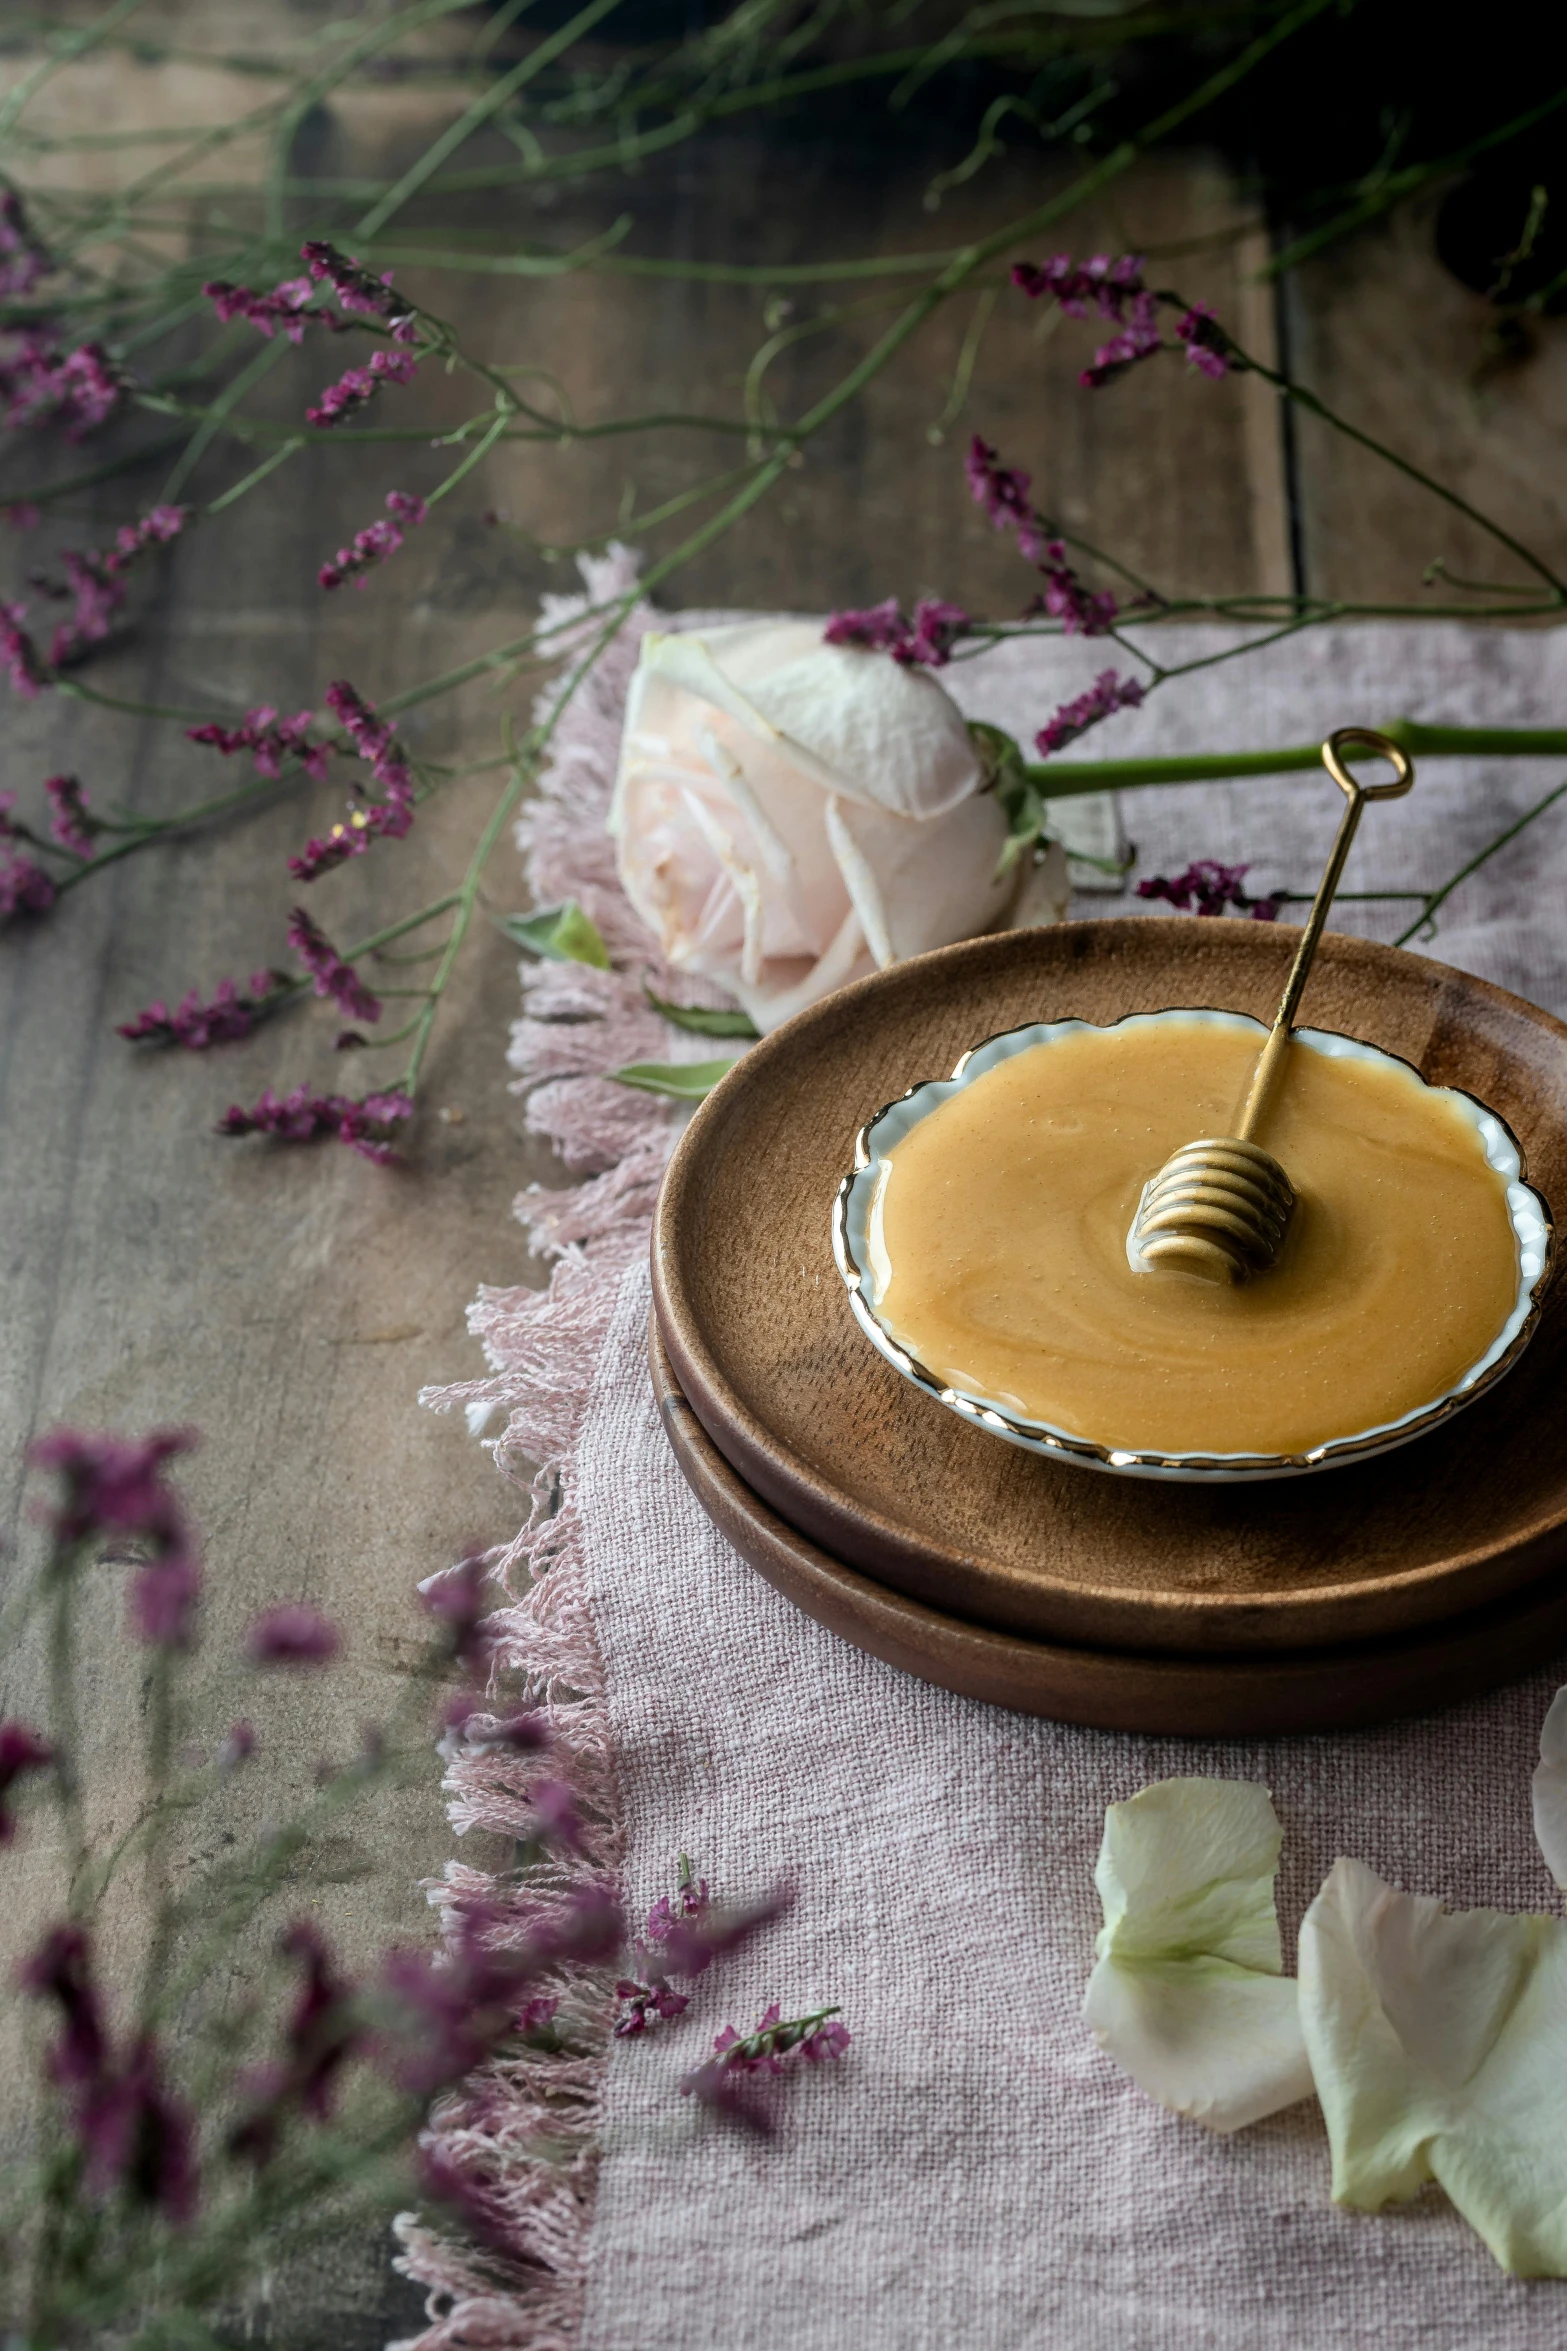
[[790, 814]]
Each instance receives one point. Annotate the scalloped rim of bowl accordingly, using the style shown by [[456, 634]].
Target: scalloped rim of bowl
[[1528, 1210]]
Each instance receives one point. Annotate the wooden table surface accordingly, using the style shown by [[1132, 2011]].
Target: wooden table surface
[[289, 1303]]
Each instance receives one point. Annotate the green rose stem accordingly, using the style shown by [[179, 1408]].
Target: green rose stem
[[1062, 779]]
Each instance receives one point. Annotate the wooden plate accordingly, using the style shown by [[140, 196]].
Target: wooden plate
[[823, 1431], [1330, 1689]]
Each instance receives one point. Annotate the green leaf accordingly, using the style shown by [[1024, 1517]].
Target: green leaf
[[1006, 774], [702, 1019], [562, 934], [682, 1081]]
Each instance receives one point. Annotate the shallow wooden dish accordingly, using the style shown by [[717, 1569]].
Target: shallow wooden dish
[[1288, 1691], [826, 1434]]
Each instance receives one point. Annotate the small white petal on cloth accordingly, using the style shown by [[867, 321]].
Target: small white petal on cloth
[[1549, 1790], [1438, 2042], [1188, 1995]]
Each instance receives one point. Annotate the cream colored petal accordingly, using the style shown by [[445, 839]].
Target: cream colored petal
[[1187, 1996], [862, 884], [779, 999], [1215, 2042], [1550, 1790], [1438, 2043], [937, 880]]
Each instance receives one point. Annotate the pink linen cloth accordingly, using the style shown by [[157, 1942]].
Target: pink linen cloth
[[975, 2172]]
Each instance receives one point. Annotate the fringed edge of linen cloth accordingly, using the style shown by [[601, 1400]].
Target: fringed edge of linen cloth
[[543, 1346]]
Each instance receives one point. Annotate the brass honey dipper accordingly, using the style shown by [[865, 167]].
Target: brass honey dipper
[[1220, 1207]]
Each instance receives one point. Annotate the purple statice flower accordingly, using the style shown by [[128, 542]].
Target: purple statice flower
[[375, 542], [322, 2033], [24, 887], [270, 740], [1209, 888], [642, 2003], [112, 1486], [96, 578], [1108, 693], [1080, 286], [292, 1634], [1002, 490], [693, 1940], [303, 1117], [386, 819], [524, 1733], [138, 2137], [61, 1970], [455, 1598], [1082, 612], [925, 642], [774, 2046], [284, 307], [1208, 347], [21, 1750], [1137, 339], [330, 975], [134, 2134], [649, 1995], [70, 822], [238, 1747], [456, 2008], [80, 389], [357, 291], [194, 1025], [24, 663], [555, 1809], [357, 386], [23, 261]]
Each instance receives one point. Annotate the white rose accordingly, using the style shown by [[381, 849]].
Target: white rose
[[790, 814]]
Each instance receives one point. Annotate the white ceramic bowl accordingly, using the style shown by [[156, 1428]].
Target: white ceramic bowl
[[1531, 1222]]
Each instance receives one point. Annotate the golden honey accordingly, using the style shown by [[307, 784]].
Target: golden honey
[[998, 1241]]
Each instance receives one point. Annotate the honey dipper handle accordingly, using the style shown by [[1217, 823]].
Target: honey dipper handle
[[1270, 1061]]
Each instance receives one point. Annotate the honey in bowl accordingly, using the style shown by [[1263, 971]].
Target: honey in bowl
[[997, 1241]]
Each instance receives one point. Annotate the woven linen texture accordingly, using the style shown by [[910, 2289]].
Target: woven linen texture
[[976, 2173]]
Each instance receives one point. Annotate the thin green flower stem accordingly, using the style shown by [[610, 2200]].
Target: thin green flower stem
[[160, 1761], [481, 448], [65, 683], [1314, 406], [65, 1732], [1440, 897], [262, 428], [46, 493], [69, 47], [479, 113], [421, 1027], [963, 373], [254, 372], [256, 475], [629, 151], [1396, 186], [1062, 779]]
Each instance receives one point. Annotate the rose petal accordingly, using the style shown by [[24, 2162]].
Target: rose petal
[[1549, 1790], [1438, 2042], [1187, 1995]]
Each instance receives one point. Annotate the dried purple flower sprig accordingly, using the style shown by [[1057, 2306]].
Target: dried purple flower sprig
[[1119, 292], [1208, 887], [111, 1486], [226, 1020], [375, 542], [926, 641], [774, 2045], [366, 1126]]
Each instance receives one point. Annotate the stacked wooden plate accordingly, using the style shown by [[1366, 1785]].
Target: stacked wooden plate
[[1310, 1604]]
